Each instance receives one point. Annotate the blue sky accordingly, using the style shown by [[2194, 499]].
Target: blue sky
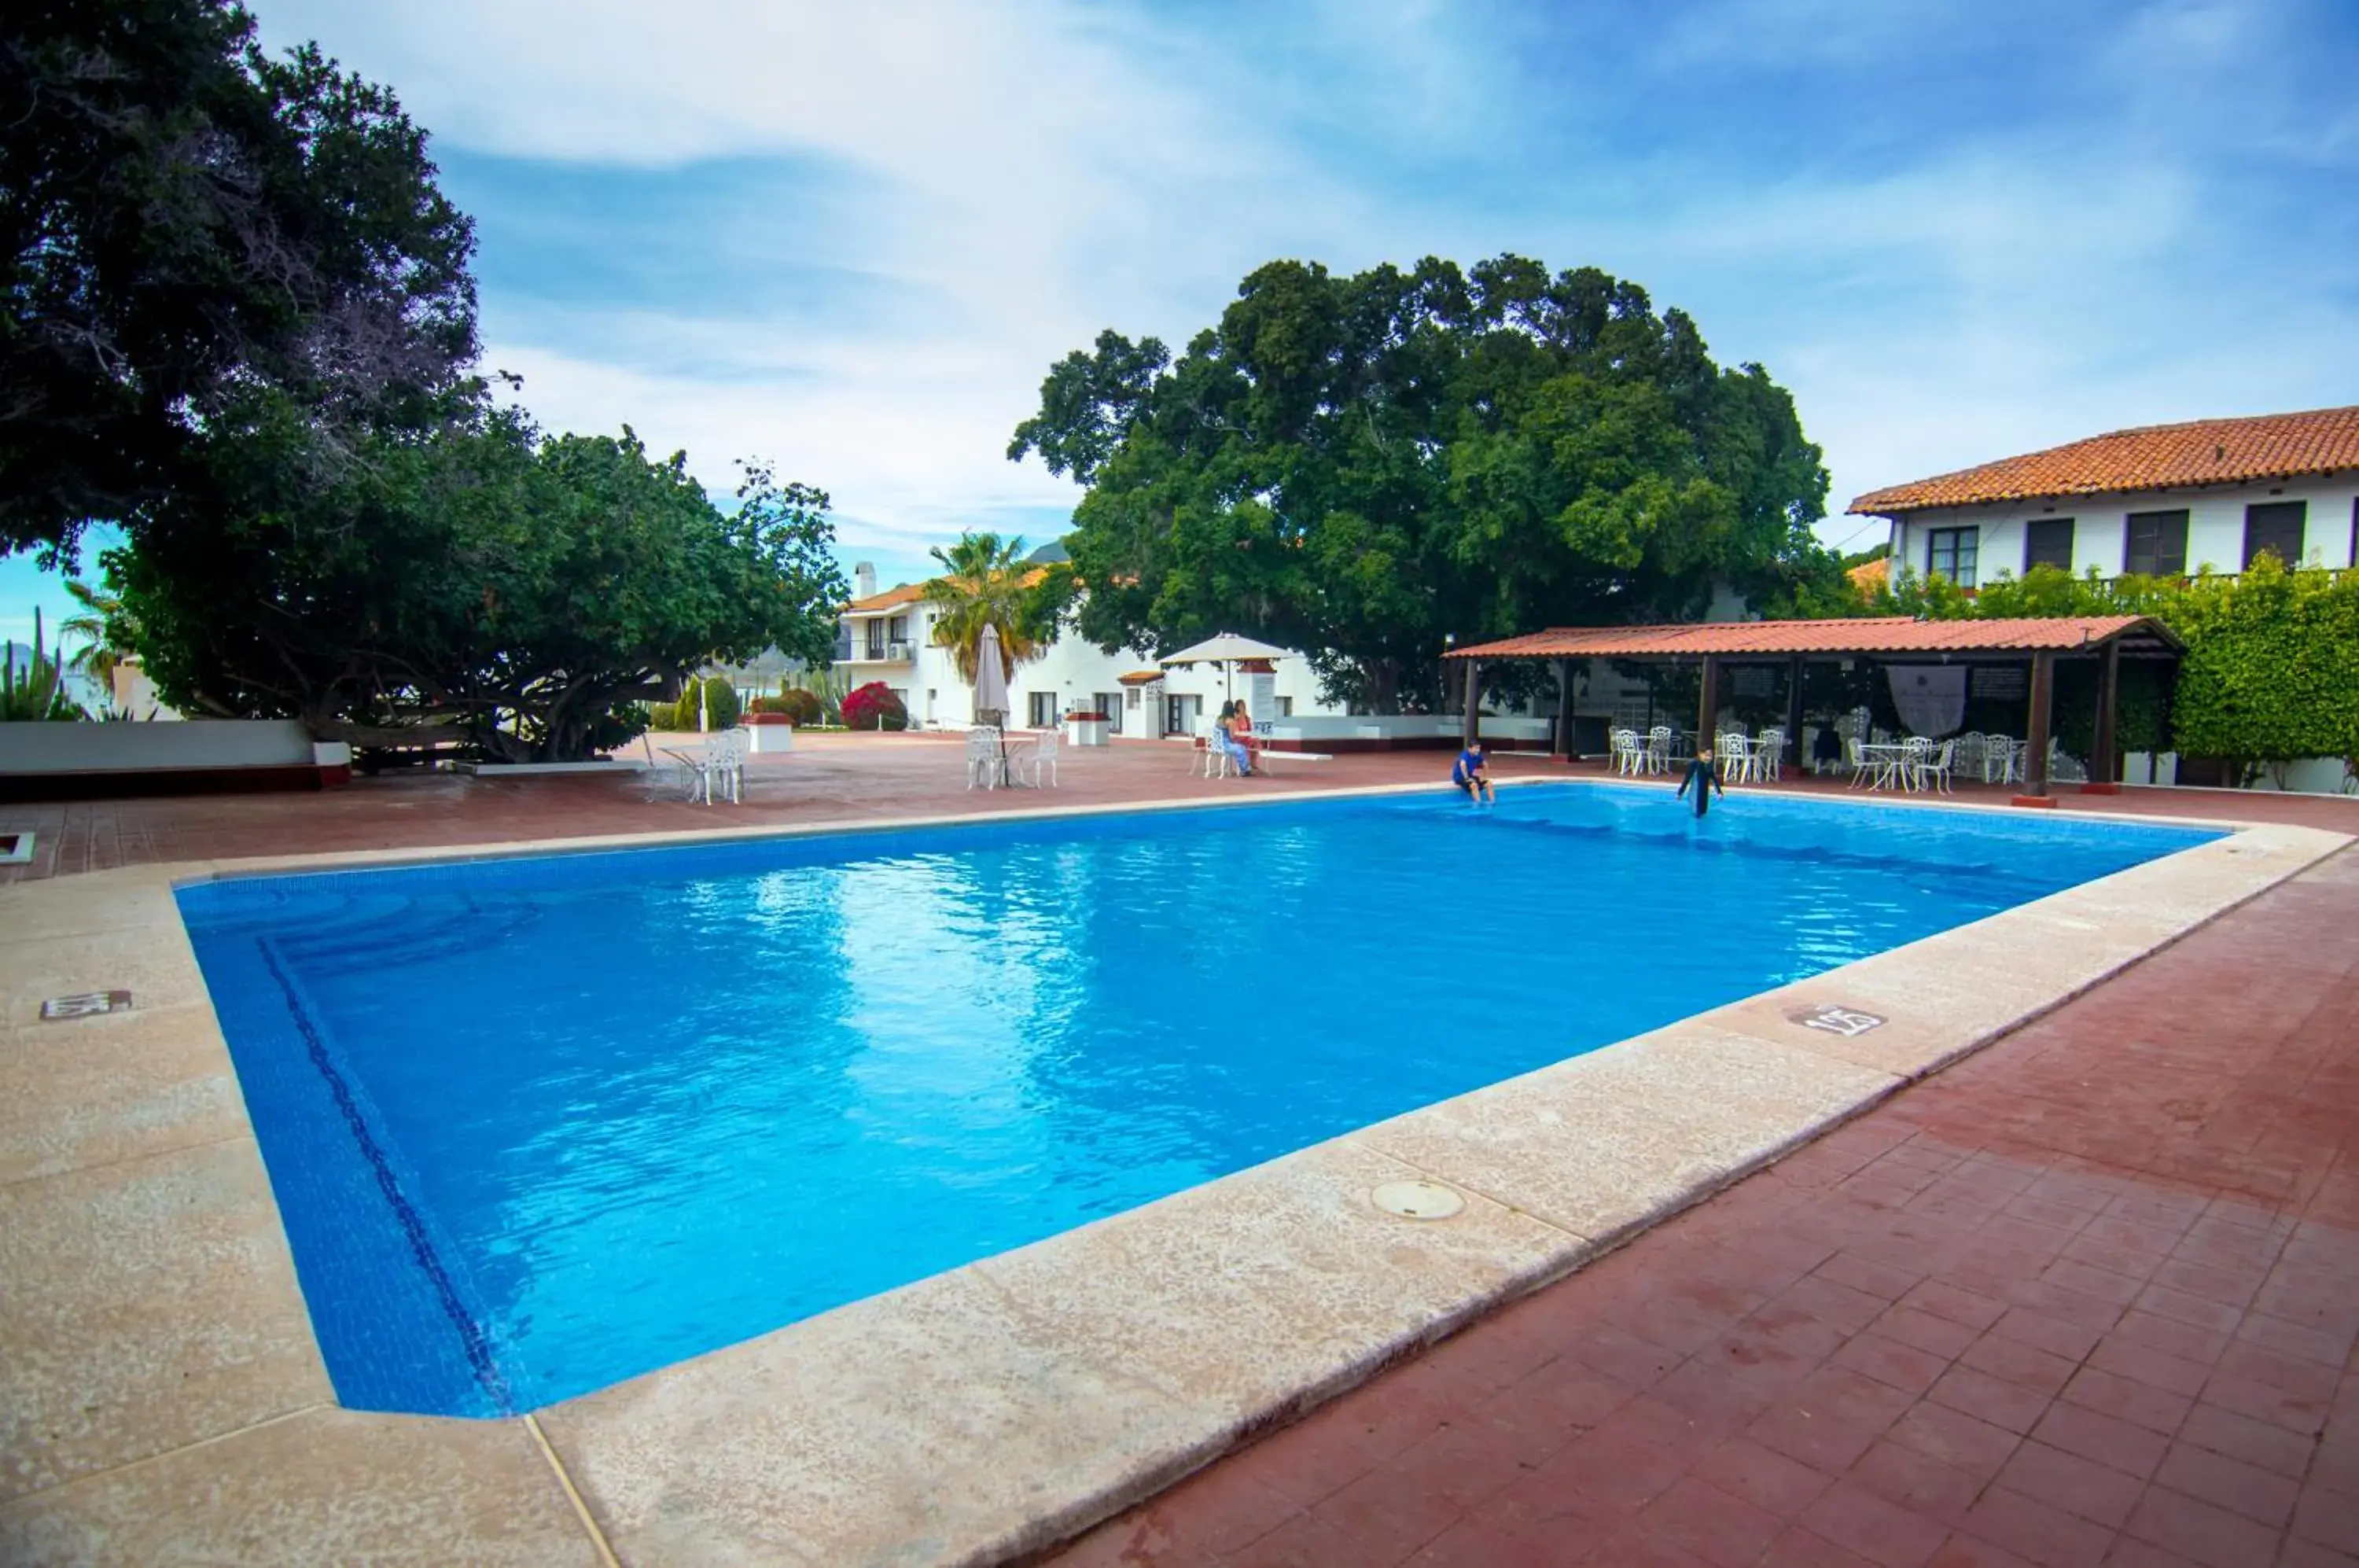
[[853, 238]]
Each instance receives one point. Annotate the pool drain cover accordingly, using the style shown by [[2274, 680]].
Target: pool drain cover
[[1418, 1200], [86, 1005]]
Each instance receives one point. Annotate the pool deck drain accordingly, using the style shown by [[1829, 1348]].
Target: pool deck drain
[[161, 1396]]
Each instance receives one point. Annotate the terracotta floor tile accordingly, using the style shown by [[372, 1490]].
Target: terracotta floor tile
[[2026, 1365], [2126, 1357], [2200, 1531], [2106, 1438], [1855, 1518], [1963, 1550], [2081, 1488], [1716, 1526], [1386, 1518], [1923, 1331], [1303, 1541], [2262, 1402], [2037, 1532], [2142, 1404], [1914, 1480], [1799, 1548], [1989, 1399], [1956, 1439], [1762, 1477], [2058, 1336], [2328, 1518], [2241, 1488], [1903, 1367], [1472, 1543]]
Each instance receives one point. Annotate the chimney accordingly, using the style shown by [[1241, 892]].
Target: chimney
[[864, 579]]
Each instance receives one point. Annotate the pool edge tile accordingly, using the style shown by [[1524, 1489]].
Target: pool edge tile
[[322, 1485]]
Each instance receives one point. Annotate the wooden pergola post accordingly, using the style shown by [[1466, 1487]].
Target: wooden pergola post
[[1708, 709], [1794, 714], [2104, 776], [2035, 761], [1473, 695]]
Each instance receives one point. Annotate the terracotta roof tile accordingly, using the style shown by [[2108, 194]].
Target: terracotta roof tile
[[2157, 457], [1870, 576], [907, 593], [1872, 635]]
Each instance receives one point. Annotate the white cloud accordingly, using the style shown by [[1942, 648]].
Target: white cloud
[[1025, 173]]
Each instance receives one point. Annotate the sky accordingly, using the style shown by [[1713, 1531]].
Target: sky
[[853, 239]]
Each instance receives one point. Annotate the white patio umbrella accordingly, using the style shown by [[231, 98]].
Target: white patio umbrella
[[990, 677], [1229, 650]]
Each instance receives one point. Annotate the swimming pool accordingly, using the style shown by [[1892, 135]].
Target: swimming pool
[[539, 1124]]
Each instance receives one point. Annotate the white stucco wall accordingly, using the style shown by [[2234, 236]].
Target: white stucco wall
[[194, 743], [2215, 526]]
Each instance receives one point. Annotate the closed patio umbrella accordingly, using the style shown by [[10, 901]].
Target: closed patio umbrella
[[1227, 649], [990, 679]]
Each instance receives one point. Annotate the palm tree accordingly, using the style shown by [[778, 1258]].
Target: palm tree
[[986, 583], [106, 630]]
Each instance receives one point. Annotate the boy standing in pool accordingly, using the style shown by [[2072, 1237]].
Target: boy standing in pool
[[1705, 776]]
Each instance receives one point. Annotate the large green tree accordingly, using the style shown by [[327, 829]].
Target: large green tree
[[186, 219], [1365, 466], [521, 585]]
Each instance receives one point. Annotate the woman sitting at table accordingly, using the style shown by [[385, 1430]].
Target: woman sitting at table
[[1241, 741]]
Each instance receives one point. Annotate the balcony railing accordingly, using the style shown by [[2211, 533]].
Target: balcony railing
[[882, 653]]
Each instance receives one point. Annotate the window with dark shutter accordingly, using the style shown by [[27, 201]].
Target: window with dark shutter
[[2157, 546], [2047, 542], [2276, 527]]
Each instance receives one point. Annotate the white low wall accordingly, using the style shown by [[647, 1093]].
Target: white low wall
[[141, 747], [1407, 726]]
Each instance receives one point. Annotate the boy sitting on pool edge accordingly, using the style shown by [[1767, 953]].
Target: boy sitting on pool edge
[[1471, 773]]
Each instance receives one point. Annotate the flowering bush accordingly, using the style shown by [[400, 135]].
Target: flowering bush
[[875, 707]]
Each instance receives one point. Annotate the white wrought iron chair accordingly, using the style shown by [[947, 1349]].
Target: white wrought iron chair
[[1043, 755], [1659, 748], [1212, 758], [1735, 758], [984, 758], [1930, 768], [1623, 747], [1769, 754]]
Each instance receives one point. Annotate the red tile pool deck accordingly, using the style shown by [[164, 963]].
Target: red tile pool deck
[[2088, 1297]]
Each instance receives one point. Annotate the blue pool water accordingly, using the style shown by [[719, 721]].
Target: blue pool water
[[536, 1125]]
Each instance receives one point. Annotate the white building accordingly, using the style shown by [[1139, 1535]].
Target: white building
[[2166, 500], [888, 635], [2161, 501]]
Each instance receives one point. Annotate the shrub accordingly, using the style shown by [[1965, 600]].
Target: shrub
[[719, 708], [875, 707], [798, 707]]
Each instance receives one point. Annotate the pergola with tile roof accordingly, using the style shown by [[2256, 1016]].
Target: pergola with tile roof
[[2037, 642]]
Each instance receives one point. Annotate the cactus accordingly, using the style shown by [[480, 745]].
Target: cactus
[[39, 693]]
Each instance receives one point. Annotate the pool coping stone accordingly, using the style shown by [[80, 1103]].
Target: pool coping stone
[[978, 1415]]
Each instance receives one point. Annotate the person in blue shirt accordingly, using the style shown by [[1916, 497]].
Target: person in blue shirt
[[1471, 773], [1705, 776]]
